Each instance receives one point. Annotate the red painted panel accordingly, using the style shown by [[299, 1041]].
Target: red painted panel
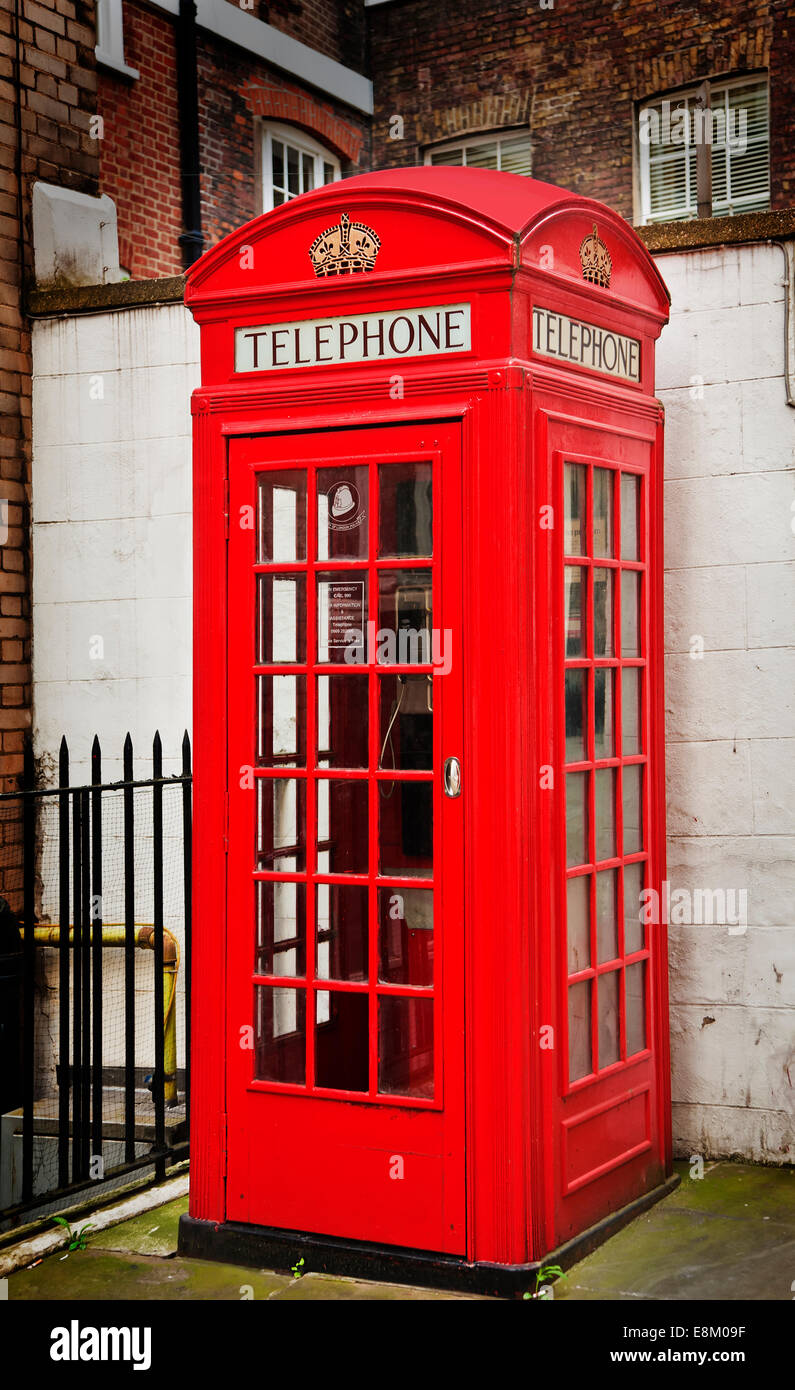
[[604, 1137]]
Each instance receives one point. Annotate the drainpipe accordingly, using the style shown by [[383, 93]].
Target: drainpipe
[[191, 240], [788, 247], [115, 934]]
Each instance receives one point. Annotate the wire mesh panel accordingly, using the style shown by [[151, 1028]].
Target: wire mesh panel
[[95, 1001]]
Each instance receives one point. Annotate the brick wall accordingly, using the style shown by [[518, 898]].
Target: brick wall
[[51, 96], [139, 152], [333, 27], [573, 73], [234, 90]]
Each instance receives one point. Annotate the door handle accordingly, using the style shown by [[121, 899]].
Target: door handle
[[452, 777]]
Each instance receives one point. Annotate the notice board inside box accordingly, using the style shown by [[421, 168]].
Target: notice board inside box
[[429, 1012]]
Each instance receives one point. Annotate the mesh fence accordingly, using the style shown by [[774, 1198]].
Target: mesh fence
[[109, 997]]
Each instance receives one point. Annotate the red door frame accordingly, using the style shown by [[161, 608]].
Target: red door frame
[[567, 1204], [425, 1206]]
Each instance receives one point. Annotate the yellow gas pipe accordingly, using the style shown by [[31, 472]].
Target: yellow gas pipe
[[115, 934]]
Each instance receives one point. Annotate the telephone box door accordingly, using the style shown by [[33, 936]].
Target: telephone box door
[[609, 966], [345, 988]]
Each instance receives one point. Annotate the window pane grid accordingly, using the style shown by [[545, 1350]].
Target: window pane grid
[[293, 169], [411, 1029], [597, 1008], [511, 153], [740, 153]]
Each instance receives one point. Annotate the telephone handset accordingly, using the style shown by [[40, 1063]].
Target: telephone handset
[[413, 608], [413, 707]]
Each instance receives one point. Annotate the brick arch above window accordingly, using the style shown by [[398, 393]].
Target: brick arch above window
[[274, 102], [487, 113]]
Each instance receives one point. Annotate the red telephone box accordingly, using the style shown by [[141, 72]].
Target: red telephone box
[[429, 982]]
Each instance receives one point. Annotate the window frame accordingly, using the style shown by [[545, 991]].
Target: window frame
[[711, 87], [109, 48], [489, 138], [299, 140]]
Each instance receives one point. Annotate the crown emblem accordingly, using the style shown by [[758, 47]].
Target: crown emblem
[[344, 249], [595, 259]]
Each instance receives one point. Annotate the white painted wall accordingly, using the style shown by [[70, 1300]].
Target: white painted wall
[[112, 531], [111, 507], [112, 561], [730, 579]]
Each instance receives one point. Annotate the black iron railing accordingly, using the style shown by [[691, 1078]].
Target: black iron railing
[[106, 883]]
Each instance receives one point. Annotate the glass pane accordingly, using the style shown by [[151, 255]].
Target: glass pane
[[605, 813], [279, 1034], [406, 829], [406, 730], [405, 936], [576, 715], [481, 156], [630, 710], [447, 156], [604, 687], [281, 824], [342, 825], [576, 818], [405, 1047], [609, 1045], [634, 936], [668, 189], [606, 915], [307, 172], [630, 608], [635, 1003], [603, 511], [574, 611], [342, 618], [603, 612], [405, 617], [633, 815], [342, 1057], [515, 155], [579, 1030], [630, 502], [405, 510], [574, 509], [277, 164], [342, 721], [281, 517], [281, 929], [342, 511], [342, 918], [281, 618], [578, 922], [328, 172], [292, 171], [281, 721]]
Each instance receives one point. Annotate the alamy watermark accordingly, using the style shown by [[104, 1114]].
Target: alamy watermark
[[406, 646], [699, 907], [695, 125]]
